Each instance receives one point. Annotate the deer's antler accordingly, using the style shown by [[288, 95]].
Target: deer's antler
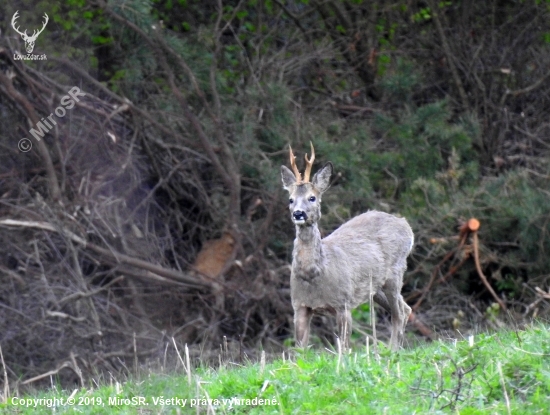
[[46, 20], [13, 21], [309, 164], [293, 165], [35, 33]]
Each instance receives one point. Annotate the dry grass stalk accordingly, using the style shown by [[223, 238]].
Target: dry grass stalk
[[6, 393], [503, 383], [188, 367]]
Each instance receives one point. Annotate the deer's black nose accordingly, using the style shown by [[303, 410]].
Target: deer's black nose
[[299, 215]]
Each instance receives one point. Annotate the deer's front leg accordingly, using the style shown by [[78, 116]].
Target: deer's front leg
[[343, 318], [302, 318]]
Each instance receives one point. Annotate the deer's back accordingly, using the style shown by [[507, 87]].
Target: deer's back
[[367, 246], [374, 227]]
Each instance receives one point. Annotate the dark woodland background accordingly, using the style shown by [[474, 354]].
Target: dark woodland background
[[154, 209]]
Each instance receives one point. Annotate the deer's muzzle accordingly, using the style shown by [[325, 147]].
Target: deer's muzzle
[[299, 216]]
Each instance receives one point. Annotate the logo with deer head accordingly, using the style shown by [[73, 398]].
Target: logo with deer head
[[29, 40]]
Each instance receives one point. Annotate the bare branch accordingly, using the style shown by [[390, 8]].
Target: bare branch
[[12, 93]]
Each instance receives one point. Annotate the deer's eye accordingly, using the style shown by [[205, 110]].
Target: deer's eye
[[312, 199], [291, 201]]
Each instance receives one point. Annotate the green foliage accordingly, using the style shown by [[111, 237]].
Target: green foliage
[[422, 15], [76, 16], [400, 84], [515, 208], [511, 209], [484, 374], [362, 313], [425, 139], [423, 150], [261, 117], [425, 136]]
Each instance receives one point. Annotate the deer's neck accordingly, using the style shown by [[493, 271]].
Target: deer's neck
[[308, 253]]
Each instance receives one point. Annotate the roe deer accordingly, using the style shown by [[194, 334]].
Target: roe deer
[[336, 274]]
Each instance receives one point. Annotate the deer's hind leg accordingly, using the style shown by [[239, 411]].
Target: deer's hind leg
[[380, 299], [406, 312], [392, 290]]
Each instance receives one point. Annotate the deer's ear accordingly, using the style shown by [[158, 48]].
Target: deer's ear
[[321, 180], [288, 177]]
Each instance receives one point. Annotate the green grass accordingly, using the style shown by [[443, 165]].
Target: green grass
[[500, 373]]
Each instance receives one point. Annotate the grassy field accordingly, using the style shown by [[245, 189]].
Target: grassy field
[[500, 373]]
